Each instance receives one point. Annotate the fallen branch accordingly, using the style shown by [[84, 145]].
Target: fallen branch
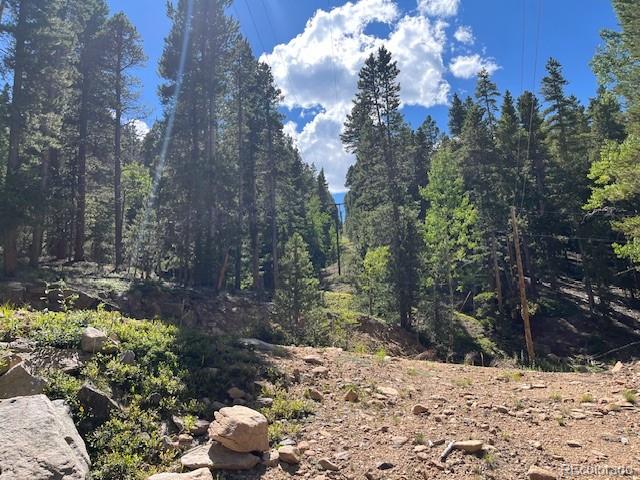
[[447, 451]]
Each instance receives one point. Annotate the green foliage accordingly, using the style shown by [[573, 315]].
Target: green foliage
[[65, 387], [449, 236], [616, 175], [297, 293], [374, 280]]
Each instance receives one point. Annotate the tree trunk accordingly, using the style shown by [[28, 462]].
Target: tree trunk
[[81, 199], [38, 227], [496, 273], [15, 131], [240, 215], [117, 160], [273, 174]]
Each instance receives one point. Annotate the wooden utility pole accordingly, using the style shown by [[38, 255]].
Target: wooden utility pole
[[523, 292]]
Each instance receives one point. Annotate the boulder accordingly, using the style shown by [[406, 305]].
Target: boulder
[[217, 457], [93, 340], [40, 441], [617, 368], [240, 429], [200, 474], [18, 382], [97, 403]]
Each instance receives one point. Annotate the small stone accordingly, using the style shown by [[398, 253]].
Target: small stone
[[351, 396], [320, 372], [419, 409], [617, 368], [313, 360], [385, 466], [128, 357], [200, 474], [185, 440], [574, 444], [93, 340], [388, 391], [289, 454], [420, 448], [399, 441], [326, 464], [264, 402], [236, 393], [502, 409], [537, 445], [469, 446], [271, 458], [439, 465], [315, 395], [423, 456], [303, 446], [537, 473]]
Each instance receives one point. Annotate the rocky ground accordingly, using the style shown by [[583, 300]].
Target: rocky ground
[[392, 418]]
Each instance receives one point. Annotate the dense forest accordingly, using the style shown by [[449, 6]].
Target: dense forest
[[207, 198], [523, 188]]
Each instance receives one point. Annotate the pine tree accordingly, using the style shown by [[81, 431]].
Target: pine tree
[[372, 132], [456, 116], [486, 95], [297, 293], [122, 53]]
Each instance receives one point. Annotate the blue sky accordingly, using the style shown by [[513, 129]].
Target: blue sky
[[316, 47]]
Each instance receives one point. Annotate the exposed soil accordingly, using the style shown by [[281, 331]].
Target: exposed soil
[[524, 418]]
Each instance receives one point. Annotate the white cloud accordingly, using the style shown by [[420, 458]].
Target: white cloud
[[464, 34], [438, 8], [467, 66], [141, 128], [317, 70]]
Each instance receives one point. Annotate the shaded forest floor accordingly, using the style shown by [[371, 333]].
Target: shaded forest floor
[[565, 333]]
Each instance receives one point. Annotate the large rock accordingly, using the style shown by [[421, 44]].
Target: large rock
[[240, 429], [200, 474], [8, 361], [217, 457], [18, 382], [93, 340], [97, 403], [38, 441]]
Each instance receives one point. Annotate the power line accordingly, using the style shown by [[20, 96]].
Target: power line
[[333, 56], [533, 96], [255, 26]]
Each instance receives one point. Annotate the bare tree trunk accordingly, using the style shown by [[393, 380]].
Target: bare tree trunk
[[496, 273], [117, 157], [38, 226], [15, 131], [240, 215], [81, 199]]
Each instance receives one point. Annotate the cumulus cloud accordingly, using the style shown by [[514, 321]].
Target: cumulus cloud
[[464, 35], [317, 70], [141, 128], [438, 8], [467, 66]]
